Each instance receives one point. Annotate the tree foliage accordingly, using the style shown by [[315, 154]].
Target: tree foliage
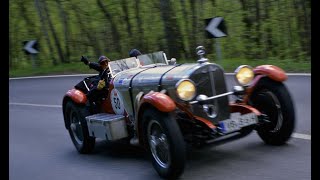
[[67, 29]]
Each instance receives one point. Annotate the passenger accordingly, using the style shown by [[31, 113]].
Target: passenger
[[134, 53]]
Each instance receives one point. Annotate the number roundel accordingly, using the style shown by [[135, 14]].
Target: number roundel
[[117, 102]]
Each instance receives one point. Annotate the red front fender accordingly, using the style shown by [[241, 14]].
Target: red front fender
[[273, 72], [156, 99], [159, 100]]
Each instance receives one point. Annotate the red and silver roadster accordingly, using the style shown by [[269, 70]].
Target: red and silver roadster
[[162, 106]]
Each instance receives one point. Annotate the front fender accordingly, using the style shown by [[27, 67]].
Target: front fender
[[159, 100], [273, 72]]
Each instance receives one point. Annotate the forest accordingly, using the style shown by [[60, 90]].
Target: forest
[[66, 29]]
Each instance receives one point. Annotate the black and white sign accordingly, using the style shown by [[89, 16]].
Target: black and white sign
[[31, 47], [216, 27]]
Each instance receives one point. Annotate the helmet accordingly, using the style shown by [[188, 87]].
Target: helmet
[[103, 58], [134, 53]]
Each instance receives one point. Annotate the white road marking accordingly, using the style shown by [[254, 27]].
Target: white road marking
[[53, 76], [37, 105], [301, 136], [294, 135]]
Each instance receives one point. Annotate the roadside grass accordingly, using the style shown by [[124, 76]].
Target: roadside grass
[[61, 69], [290, 66], [229, 65]]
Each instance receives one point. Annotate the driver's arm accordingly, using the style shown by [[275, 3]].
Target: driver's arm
[[95, 66]]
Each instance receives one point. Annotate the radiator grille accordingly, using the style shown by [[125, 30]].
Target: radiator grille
[[210, 81]]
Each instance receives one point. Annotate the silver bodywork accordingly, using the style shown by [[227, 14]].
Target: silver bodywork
[[107, 126], [208, 78]]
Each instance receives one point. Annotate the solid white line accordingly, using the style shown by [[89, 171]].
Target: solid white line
[[301, 136], [53, 76], [36, 105]]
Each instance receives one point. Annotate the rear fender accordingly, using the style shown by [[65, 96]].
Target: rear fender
[[75, 96]]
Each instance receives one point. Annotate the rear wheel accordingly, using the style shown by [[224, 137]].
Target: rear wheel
[[273, 99], [78, 128], [165, 143]]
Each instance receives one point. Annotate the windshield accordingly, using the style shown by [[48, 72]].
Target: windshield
[[123, 64], [156, 58], [153, 58]]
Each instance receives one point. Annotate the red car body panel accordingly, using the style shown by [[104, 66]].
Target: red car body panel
[[274, 72], [77, 96], [159, 100], [244, 109], [106, 104]]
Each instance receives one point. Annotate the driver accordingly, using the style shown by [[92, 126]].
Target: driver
[[99, 66], [99, 88]]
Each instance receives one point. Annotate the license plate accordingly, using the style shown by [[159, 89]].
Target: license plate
[[237, 121]]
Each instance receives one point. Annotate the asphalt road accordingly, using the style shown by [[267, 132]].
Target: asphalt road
[[40, 147]]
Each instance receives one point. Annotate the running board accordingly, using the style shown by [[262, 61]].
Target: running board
[[107, 126]]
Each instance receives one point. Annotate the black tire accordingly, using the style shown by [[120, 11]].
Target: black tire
[[78, 129], [168, 150], [273, 99]]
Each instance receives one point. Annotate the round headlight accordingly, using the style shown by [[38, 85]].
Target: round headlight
[[186, 90], [244, 75]]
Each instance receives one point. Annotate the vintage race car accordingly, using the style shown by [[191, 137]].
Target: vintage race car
[[163, 106]]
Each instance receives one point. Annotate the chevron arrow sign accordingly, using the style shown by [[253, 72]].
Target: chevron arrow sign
[[31, 47], [216, 27]]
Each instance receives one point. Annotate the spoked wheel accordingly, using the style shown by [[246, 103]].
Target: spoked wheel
[[78, 128], [165, 143], [159, 145], [272, 99]]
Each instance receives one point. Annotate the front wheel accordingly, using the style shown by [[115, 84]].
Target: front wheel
[[165, 143], [273, 99], [78, 128]]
